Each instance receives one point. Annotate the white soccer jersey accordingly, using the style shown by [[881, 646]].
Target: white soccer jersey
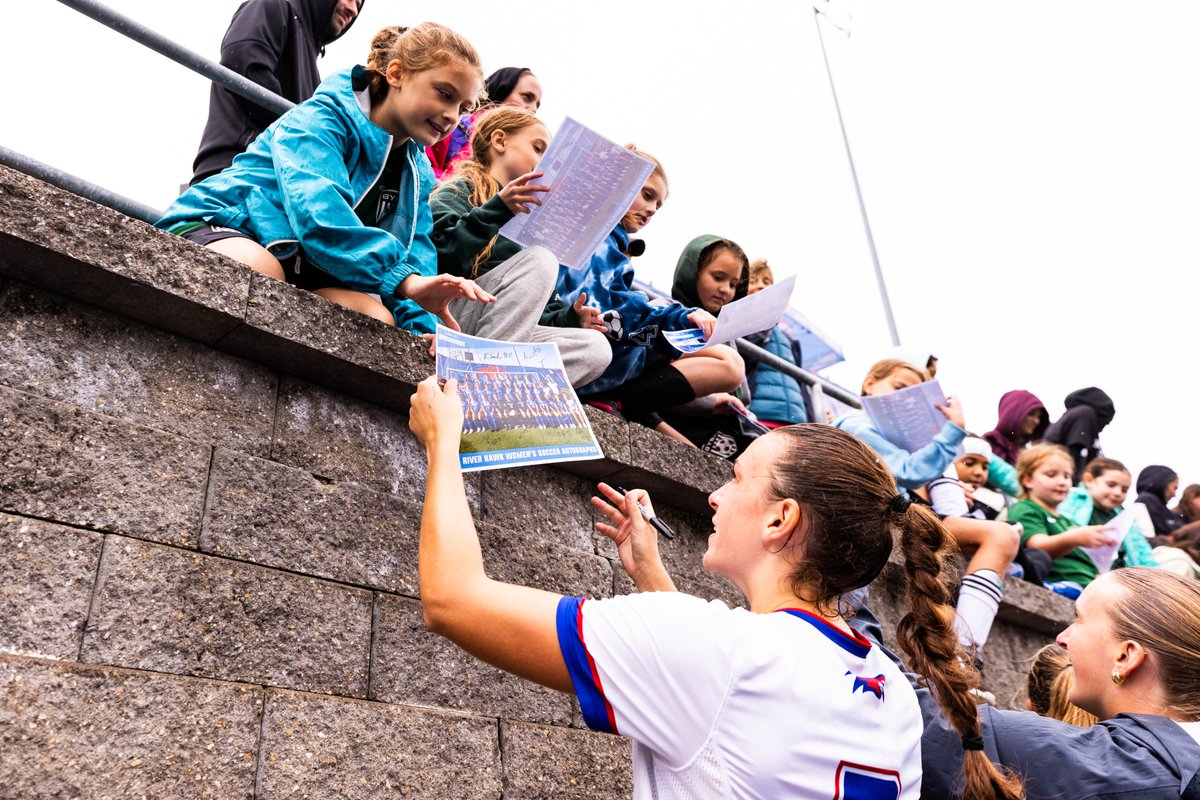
[[724, 703]]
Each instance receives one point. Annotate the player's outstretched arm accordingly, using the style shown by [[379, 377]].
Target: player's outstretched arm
[[511, 627]]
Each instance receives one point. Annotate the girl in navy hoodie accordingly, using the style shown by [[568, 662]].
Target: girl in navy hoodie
[[636, 326]]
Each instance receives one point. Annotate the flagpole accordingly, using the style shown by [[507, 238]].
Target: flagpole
[[862, 208]]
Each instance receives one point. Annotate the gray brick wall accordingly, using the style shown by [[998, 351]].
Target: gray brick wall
[[209, 510]]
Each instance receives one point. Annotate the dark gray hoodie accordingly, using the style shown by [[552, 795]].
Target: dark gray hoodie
[[274, 43], [1129, 756]]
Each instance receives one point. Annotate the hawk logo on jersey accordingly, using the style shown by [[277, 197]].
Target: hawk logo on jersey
[[872, 685]]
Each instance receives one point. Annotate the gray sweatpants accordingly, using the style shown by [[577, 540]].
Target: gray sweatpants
[[522, 285]]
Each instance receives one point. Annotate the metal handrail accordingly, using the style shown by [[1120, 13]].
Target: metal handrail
[[76, 185], [181, 55], [753, 352]]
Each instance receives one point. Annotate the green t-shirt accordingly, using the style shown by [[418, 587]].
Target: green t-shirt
[[1073, 566]]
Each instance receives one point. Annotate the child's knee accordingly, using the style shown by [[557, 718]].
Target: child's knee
[[733, 366], [541, 265]]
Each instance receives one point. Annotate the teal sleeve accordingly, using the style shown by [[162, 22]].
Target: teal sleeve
[[1003, 477]]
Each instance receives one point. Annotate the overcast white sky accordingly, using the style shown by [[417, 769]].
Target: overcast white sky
[[1031, 170]]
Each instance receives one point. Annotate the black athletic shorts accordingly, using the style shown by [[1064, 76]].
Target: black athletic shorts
[[297, 270]]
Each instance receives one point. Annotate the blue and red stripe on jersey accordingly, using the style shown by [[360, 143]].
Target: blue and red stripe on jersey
[[854, 642], [597, 712]]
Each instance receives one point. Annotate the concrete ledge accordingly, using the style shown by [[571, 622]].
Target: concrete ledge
[[61, 242]]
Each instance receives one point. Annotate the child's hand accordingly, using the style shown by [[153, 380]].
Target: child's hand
[[725, 403], [703, 320], [434, 294], [519, 193], [436, 415], [432, 340], [589, 316], [968, 491], [1094, 535], [953, 412]]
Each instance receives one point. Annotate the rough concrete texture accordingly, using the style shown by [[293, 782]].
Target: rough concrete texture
[[517, 557], [685, 475], [564, 764], [1033, 607], [612, 434], [63, 243], [86, 469], [539, 502], [68, 730], [339, 437], [326, 747], [46, 578], [283, 517], [169, 610], [328, 344], [411, 666], [100, 362]]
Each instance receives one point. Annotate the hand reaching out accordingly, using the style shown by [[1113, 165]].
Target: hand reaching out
[[434, 294], [589, 316]]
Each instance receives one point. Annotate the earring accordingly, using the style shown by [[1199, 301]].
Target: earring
[[1117, 678]]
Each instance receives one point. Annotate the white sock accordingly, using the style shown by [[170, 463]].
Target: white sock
[[978, 602]]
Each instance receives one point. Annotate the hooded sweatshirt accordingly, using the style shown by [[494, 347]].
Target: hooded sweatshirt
[[1088, 412], [687, 271], [1015, 406], [634, 322], [274, 43], [1151, 486]]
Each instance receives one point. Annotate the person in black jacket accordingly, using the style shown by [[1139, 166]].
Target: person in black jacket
[[1088, 412], [274, 43], [1156, 485]]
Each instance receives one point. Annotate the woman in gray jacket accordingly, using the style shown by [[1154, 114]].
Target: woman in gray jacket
[[1135, 647]]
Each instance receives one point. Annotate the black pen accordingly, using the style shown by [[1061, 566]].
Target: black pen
[[657, 523]]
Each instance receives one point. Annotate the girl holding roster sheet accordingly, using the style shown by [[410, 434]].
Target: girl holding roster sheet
[[809, 515], [647, 373], [991, 546], [488, 189]]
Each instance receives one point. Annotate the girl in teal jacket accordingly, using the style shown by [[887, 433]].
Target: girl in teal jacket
[[334, 196]]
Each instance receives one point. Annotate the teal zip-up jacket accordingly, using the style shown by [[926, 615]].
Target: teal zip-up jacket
[[1135, 548], [297, 185], [911, 470]]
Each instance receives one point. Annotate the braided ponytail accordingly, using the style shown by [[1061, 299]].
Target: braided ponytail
[[927, 636], [426, 46]]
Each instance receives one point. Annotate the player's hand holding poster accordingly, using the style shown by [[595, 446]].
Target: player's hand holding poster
[[518, 405]]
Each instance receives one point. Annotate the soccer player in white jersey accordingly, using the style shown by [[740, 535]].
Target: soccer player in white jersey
[[783, 700]]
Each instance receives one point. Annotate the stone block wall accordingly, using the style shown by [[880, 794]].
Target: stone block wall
[[209, 507]]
